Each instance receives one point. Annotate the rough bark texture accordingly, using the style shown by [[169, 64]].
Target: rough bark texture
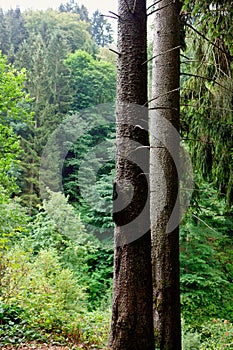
[[164, 177], [132, 312]]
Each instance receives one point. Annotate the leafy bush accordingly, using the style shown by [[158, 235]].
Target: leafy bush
[[50, 296], [217, 335], [55, 226], [13, 222], [191, 341], [96, 327], [212, 335]]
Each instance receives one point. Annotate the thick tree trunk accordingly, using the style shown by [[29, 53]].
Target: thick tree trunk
[[132, 312], [164, 175]]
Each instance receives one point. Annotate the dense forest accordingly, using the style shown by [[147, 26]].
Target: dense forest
[[57, 165]]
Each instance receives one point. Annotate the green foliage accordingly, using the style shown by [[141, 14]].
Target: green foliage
[[55, 275], [13, 98], [96, 327], [12, 31], [206, 260], [14, 329], [97, 213], [92, 153], [44, 41], [68, 24], [9, 160], [50, 295], [99, 260], [73, 7], [216, 334], [13, 107], [55, 226], [48, 83], [206, 112], [64, 218], [93, 81], [13, 223], [52, 277], [48, 37]]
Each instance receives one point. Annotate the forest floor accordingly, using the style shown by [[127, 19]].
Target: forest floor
[[36, 346], [42, 346]]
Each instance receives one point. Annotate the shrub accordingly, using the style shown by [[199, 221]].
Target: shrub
[[51, 296]]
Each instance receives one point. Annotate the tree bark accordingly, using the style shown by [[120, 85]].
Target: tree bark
[[164, 160], [132, 311]]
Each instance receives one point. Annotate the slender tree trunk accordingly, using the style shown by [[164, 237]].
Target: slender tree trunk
[[132, 312], [164, 176]]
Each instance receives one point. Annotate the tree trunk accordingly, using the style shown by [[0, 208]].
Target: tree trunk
[[164, 119], [132, 311]]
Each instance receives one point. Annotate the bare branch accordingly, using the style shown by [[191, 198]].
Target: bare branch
[[166, 93], [161, 8], [207, 39], [154, 108], [155, 3], [206, 78], [186, 57], [114, 14], [161, 53], [117, 53], [108, 16], [198, 218]]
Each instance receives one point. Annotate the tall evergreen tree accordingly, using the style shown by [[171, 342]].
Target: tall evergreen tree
[[74, 30], [164, 176], [48, 82], [13, 32], [207, 92], [132, 319], [73, 7], [101, 29]]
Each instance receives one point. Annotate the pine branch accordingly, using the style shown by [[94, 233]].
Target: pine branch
[[206, 107], [201, 62], [161, 53], [206, 78], [207, 39], [161, 8]]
